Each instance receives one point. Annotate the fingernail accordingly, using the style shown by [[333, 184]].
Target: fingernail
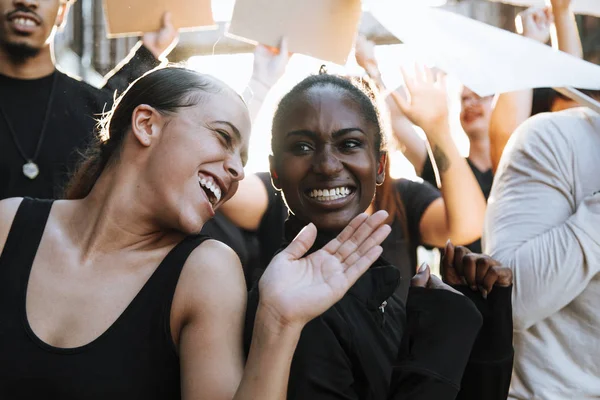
[[484, 293], [423, 268], [474, 288]]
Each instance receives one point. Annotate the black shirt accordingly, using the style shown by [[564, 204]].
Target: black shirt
[[70, 128], [135, 358], [74, 113], [485, 179]]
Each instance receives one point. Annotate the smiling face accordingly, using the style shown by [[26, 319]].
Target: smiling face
[[197, 161], [475, 114], [27, 25], [326, 157]]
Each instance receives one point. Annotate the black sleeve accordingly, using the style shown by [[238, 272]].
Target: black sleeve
[[416, 197], [441, 329], [428, 172], [321, 369], [140, 61], [489, 370]]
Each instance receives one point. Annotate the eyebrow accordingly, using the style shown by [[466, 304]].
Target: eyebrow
[[313, 135], [235, 130]]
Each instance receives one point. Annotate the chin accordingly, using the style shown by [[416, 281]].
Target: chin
[[20, 50]]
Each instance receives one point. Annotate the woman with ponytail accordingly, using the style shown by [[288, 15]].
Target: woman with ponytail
[[113, 294]]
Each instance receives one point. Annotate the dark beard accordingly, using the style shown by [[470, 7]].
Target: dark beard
[[19, 52]]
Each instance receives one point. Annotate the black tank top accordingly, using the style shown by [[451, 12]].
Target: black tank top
[[134, 359]]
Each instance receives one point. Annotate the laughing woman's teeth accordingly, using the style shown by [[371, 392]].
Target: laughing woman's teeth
[[329, 194]]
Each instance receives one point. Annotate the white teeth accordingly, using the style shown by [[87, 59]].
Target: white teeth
[[329, 194], [25, 21], [211, 185]]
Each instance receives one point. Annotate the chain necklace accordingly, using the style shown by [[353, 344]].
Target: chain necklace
[[30, 168]]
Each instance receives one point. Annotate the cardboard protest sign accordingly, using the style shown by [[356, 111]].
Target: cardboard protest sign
[[585, 7], [324, 29], [134, 17], [486, 59]]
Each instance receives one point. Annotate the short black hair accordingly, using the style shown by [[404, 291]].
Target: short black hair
[[361, 90]]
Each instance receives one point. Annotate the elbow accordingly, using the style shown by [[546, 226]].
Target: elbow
[[462, 237]]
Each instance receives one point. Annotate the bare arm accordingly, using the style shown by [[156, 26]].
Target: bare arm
[[269, 66], [294, 290], [534, 225], [248, 206], [459, 214], [512, 109], [565, 36], [409, 142]]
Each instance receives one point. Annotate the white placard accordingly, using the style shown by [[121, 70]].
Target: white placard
[[487, 59]]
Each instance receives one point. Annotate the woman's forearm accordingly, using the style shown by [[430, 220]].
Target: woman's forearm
[[566, 35], [464, 201], [268, 366]]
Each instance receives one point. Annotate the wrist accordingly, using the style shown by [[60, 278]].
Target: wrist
[[273, 326], [437, 129], [258, 88]]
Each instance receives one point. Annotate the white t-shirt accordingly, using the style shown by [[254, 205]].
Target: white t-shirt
[[543, 221]]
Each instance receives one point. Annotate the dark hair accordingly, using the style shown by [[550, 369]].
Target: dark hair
[[166, 90], [544, 98], [364, 92]]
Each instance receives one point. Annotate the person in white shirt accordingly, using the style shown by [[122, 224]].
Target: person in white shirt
[[543, 221]]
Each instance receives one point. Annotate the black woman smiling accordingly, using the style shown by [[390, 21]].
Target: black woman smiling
[[328, 158]]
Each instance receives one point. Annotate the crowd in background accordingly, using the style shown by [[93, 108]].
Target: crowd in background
[[111, 284]]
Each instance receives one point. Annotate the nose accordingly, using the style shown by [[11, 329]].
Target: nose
[[327, 163], [235, 168], [26, 3]]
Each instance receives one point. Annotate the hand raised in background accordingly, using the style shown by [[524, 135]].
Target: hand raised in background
[[163, 41], [535, 23], [270, 63], [426, 102]]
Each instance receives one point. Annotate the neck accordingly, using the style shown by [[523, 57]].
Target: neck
[[113, 217], [479, 153], [38, 66]]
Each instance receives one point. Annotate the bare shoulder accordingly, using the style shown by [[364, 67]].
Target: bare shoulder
[[8, 210], [212, 278]]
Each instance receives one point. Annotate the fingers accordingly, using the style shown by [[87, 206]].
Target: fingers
[[365, 231], [372, 241], [333, 246], [421, 279], [283, 47], [447, 266], [357, 269], [301, 243], [167, 22]]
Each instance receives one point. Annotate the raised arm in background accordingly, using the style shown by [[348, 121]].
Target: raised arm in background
[[247, 208], [147, 54], [512, 109], [407, 139], [461, 195]]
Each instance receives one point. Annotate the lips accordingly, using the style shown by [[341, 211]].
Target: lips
[[23, 22], [214, 189]]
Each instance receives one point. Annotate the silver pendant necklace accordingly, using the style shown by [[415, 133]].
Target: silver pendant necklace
[[30, 169]]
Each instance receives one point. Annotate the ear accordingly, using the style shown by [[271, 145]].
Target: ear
[[381, 168], [63, 11], [274, 174], [146, 124]]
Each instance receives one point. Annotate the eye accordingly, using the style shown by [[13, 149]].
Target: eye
[[351, 144], [225, 136], [301, 148]]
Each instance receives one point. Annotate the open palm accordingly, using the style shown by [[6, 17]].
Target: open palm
[[299, 289]]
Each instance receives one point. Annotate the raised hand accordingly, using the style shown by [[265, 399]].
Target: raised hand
[[163, 41], [535, 23], [270, 63], [478, 271], [426, 103], [295, 290], [364, 52]]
